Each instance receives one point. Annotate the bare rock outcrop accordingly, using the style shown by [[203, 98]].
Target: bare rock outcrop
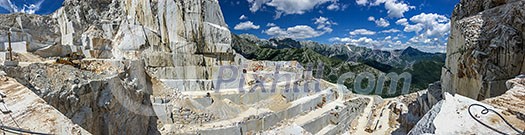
[[180, 41], [24, 112], [485, 48], [466, 112], [512, 100], [104, 103]]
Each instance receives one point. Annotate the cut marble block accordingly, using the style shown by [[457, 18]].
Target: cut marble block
[[17, 46], [3, 56]]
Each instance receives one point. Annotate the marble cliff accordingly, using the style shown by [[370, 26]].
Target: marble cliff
[[485, 48]]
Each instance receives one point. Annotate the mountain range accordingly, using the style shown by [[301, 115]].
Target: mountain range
[[338, 59]]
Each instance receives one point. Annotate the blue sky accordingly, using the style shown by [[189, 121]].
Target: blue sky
[[30, 6], [379, 24]]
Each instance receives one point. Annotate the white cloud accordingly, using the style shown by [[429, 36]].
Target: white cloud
[[243, 17], [287, 7], [371, 18], [395, 38], [387, 43], [257, 4], [296, 32], [428, 25], [362, 40], [333, 6], [246, 26], [391, 31], [26, 8], [271, 24], [431, 31], [302, 31], [361, 2], [413, 28], [402, 21], [362, 32], [393, 43], [395, 8], [324, 24], [7, 5], [381, 22]]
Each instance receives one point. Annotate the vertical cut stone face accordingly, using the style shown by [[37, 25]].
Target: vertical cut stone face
[[137, 29], [485, 47], [182, 26], [178, 40]]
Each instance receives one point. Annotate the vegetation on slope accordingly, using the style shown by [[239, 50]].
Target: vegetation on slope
[[425, 68]]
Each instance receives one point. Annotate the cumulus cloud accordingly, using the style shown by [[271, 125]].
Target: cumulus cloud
[[371, 18], [431, 31], [381, 22], [246, 26], [243, 17], [402, 21], [333, 6], [324, 24], [287, 7], [392, 43], [431, 34], [271, 24], [257, 4], [28, 8], [362, 40], [428, 25], [361, 2], [302, 31], [395, 8], [362, 32], [387, 43], [391, 31], [296, 32], [368, 42]]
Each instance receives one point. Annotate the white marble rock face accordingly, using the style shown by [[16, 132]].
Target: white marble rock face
[[178, 40], [186, 26], [169, 35], [485, 47]]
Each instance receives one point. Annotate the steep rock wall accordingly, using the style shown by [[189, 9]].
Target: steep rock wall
[[162, 39], [485, 47], [109, 103], [126, 29]]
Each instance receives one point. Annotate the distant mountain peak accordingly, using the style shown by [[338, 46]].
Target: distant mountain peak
[[411, 48], [281, 43], [410, 51]]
